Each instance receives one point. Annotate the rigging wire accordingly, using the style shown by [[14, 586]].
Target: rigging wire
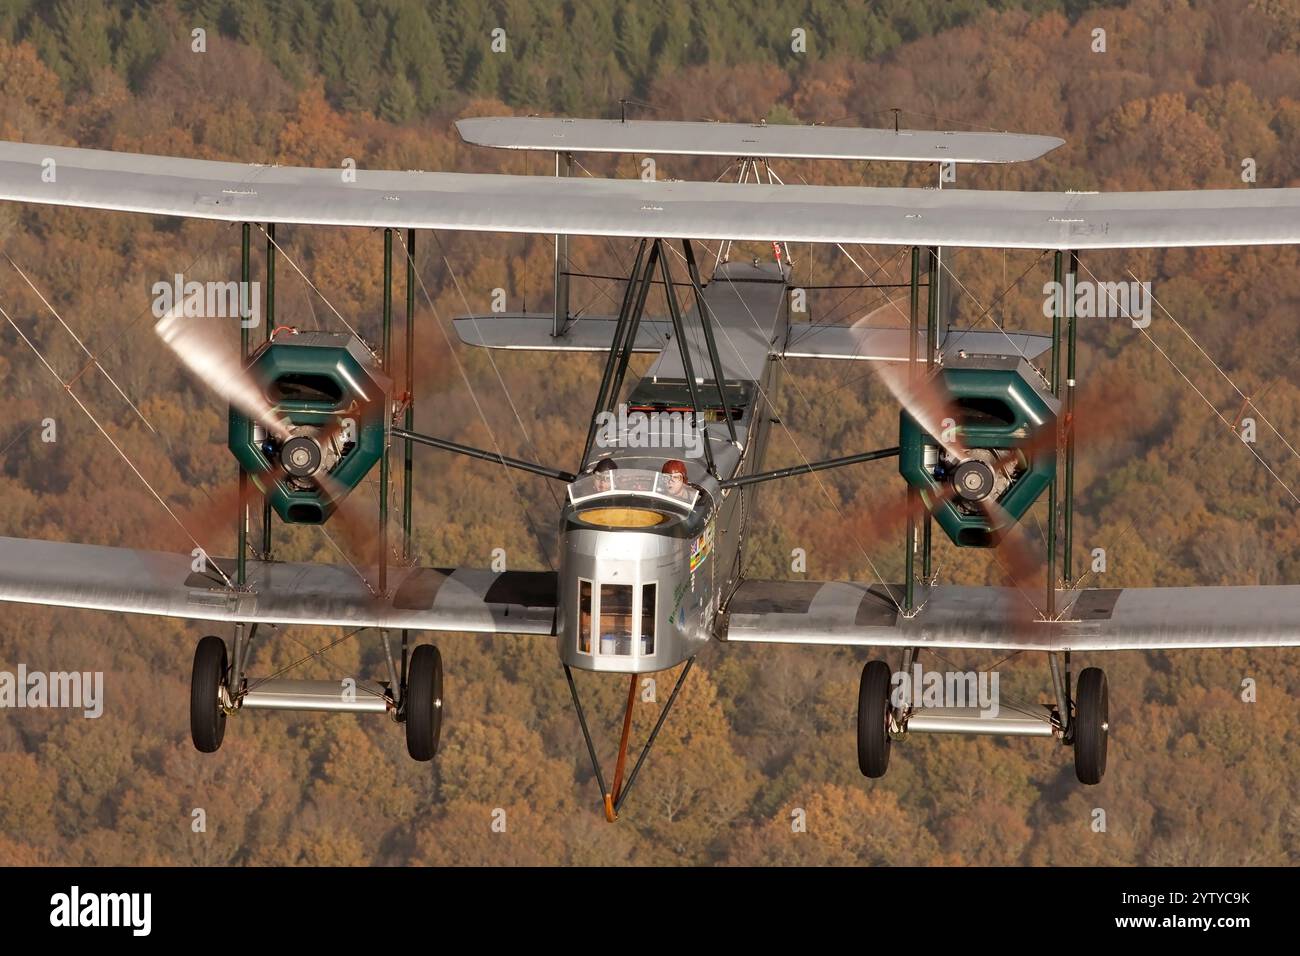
[[303, 660], [477, 406], [505, 389], [1133, 522], [1019, 588], [303, 275], [1218, 414], [67, 387], [996, 299], [1244, 397], [364, 580], [315, 288], [781, 421], [82, 345], [984, 313]]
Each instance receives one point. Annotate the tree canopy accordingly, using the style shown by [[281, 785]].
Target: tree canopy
[[1185, 95]]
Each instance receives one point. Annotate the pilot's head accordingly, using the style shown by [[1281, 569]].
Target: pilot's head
[[604, 474], [675, 473]]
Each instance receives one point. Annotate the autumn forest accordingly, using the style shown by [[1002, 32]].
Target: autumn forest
[[1152, 94]]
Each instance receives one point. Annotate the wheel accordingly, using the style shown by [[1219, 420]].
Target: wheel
[[1091, 725], [207, 718], [873, 719], [423, 701]]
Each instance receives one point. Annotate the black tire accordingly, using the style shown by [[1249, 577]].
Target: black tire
[[424, 703], [1091, 725], [873, 719], [207, 718]]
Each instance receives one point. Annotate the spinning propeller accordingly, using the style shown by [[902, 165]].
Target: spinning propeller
[[201, 347], [301, 455]]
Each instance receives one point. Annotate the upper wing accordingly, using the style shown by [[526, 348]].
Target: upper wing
[[154, 582], [1112, 619], [751, 139], [236, 192]]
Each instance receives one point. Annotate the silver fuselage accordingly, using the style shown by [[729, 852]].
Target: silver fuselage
[[642, 575]]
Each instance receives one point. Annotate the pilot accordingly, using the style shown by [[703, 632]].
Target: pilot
[[675, 471], [602, 471]]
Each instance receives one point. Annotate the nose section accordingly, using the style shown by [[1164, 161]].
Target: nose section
[[624, 600], [632, 597]]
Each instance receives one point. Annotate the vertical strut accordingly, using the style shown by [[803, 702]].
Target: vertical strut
[[563, 167], [1061, 687], [702, 310], [629, 337], [241, 532], [684, 347], [630, 294], [1057, 305], [1071, 347], [909, 598], [241, 563], [586, 733], [385, 357], [408, 460], [268, 325], [931, 348]]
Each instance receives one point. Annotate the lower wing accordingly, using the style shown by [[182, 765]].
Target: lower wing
[[990, 618], [164, 584]]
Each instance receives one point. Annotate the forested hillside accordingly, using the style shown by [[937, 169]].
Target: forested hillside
[[1184, 95]]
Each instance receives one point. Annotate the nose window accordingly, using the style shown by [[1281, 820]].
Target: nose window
[[621, 626], [648, 619], [584, 616], [616, 619]]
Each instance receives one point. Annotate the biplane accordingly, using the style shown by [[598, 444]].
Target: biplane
[[652, 535]]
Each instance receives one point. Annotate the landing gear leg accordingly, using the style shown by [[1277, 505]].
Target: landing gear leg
[[1061, 687], [910, 654]]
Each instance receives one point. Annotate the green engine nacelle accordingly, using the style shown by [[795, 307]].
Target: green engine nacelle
[[1000, 404], [331, 391]]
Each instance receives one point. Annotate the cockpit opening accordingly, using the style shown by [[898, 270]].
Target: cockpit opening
[[666, 397], [660, 493]]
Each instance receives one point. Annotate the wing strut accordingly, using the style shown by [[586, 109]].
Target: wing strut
[[471, 452], [702, 310], [684, 346], [629, 312]]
